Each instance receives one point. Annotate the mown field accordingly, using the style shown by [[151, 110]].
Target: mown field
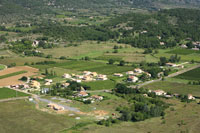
[[190, 75], [174, 87], [93, 66], [22, 117], [21, 60], [8, 93]]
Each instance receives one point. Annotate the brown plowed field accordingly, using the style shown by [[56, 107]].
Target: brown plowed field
[[14, 79]]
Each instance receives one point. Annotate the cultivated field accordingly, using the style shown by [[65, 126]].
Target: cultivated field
[[13, 80], [190, 75], [93, 66], [186, 55]]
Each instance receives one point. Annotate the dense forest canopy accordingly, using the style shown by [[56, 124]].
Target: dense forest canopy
[[46, 6], [167, 27]]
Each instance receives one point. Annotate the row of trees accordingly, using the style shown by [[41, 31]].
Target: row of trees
[[173, 59]]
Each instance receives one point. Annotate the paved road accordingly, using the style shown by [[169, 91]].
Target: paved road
[[169, 76], [38, 98], [12, 99]]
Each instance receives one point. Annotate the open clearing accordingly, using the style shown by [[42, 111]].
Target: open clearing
[[13, 80], [8, 93]]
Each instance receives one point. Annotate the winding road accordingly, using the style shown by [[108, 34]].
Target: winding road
[[169, 76]]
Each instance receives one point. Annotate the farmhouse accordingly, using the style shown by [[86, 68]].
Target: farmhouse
[[160, 74], [45, 90], [118, 74], [97, 97], [49, 80], [66, 76], [86, 72], [79, 76], [162, 43], [190, 97], [94, 74], [102, 77], [171, 64], [183, 46], [65, 84], [87, 78], [159, 92], [132, 79], [138, 70], [35, 84], [47, 83], [148, 74], [35, 43], [82, 94], [129, 73]]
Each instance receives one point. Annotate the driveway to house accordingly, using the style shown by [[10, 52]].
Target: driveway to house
[[169, 76]]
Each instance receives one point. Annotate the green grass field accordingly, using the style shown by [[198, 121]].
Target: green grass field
[[190, 75], [99, 67], [183, 51], [173, 87], [12, 74], [22, 117], [8, 93], [101, 85]]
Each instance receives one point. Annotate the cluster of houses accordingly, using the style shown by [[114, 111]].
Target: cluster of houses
[[195, 44], [85, 76], [33, 85], [163, 93], [84, 96], [133, 75]]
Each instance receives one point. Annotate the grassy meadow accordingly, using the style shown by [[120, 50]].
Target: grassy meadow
[[8, 93], [24, 117], [174, 87], [101, 85]]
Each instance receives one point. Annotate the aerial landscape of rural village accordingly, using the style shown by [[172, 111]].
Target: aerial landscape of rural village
[[99, 66]]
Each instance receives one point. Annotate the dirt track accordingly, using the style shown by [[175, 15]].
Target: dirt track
[[14, 79]]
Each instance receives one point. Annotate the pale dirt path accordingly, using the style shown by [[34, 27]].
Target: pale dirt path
[[11, 99]]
